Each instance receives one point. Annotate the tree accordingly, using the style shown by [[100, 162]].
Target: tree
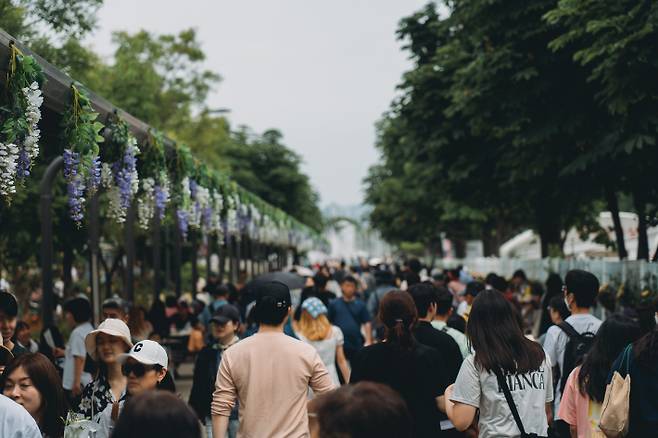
[[615, 42]]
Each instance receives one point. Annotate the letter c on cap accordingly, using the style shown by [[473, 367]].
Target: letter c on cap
[[138, 347]]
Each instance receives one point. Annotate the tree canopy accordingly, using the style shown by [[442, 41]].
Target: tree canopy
[[516, 115]]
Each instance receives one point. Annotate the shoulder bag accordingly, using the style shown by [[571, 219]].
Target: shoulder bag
[[615, 411]]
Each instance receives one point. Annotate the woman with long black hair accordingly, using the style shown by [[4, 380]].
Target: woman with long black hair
[[585, 389], [414, 370], [505, 363], [641, 361]]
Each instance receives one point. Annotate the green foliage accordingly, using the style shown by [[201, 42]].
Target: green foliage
[[494, 128], [81, 129]]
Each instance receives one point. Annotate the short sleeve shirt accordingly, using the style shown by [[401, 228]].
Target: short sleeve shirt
[[76, 348], [556, 343], [15, 421], [530, 391], [418, 375], [348, 316], [579, 410]]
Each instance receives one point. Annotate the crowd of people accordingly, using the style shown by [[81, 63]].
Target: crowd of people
[[362, 351]]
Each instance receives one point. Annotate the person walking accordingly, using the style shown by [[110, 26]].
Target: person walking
[[349, 313], [315, 329], [224, 325], [414, 370], [77, 312], [33, 382], [158, 414], [269, 373], [8, 321], [585, 389], [15, 421], [444, 310], [365, 409], [505, 365], [580, 291], [145, 367], [105, 345], [640, 361], [425, 299]]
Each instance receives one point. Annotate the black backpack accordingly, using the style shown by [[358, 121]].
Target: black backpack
[[577, 347]]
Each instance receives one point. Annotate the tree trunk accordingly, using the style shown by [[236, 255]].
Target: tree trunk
[[642, 237], [613, 206], [550, 236]]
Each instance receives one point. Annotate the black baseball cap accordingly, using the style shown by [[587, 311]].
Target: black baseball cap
[[226, 313], [273, 294], [8, 304]]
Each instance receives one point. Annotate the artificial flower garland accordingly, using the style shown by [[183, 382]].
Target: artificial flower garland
[[19, 118]]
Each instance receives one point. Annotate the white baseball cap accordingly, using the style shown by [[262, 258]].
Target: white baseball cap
[[111, 326], [147, 352]]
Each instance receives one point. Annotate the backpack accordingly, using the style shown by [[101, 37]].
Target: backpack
[[577, 346]]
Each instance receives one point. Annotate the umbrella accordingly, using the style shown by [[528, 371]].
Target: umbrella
[[292, 280]]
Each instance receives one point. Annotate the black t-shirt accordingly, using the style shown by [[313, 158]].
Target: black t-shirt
[[443, 343], [418, 375]]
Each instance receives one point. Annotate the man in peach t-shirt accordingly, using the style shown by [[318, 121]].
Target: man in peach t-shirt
[[270, 374]]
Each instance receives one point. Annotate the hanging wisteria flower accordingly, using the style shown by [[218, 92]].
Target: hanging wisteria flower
[[30, 146], [146, 203], [183, 223], [161, 194], [193, 210], [74, 184], [8, 164], [106, 176], [94, 180]]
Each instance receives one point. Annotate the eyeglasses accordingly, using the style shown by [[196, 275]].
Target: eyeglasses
[[138, 369]]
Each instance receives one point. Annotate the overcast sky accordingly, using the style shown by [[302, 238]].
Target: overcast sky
[[322, 72]]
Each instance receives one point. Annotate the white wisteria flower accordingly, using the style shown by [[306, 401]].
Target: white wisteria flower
[[8, 164], [146, 203]]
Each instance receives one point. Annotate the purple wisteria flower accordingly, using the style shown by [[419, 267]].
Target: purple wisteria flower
[[182, 222], [124, 171], [160, 200], [74, 184], [23, 164], [94, 181]]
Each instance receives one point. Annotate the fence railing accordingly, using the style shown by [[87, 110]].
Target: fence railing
[[638, 277]]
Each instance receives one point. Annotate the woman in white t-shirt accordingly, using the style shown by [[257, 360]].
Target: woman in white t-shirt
[[495, 333], [315, 329]]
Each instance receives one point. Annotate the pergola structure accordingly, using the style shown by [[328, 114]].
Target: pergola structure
[[237, 252]]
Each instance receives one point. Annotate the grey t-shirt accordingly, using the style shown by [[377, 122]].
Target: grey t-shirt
[[530, 392]]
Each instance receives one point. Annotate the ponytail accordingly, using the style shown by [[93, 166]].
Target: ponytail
[[398, 313]]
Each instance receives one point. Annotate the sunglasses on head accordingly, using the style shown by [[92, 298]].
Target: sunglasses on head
[[138, 369]]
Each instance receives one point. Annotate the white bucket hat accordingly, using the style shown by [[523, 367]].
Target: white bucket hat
[[148, 353], [111, 326]]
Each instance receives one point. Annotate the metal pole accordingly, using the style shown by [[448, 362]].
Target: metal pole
[[238, 257], [157, 284], [129, 243], [94, 238], [48, 299], [178, 248], [208, 257], [195, 259], [231, 259], [221, 250], [167, 258]]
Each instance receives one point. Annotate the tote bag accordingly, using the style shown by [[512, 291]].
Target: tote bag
[[615, 410]]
